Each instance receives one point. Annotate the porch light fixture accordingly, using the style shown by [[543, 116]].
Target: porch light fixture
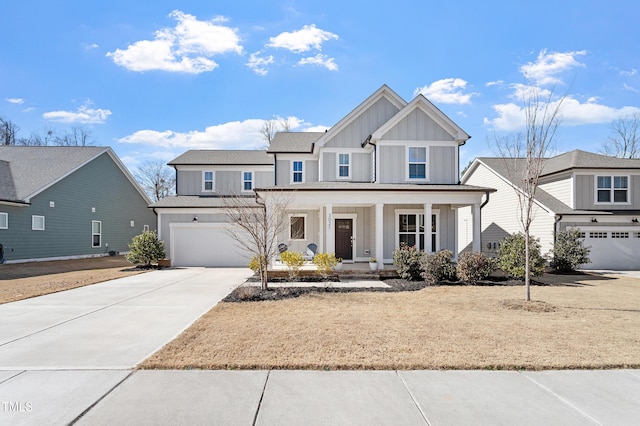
[[594, 220], [195, 218]]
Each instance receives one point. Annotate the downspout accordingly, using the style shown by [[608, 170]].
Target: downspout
[[375, 154], [488, 194], [275, 171], [555, 228]]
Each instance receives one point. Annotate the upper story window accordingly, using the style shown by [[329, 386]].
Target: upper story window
[[417, 162], [4, 220], [247, 181], [344, 165], [297, 172], [612, 189], [207, 181], [37, 223]]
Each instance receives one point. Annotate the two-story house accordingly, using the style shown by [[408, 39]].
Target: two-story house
[[598, 194], [385, 174]]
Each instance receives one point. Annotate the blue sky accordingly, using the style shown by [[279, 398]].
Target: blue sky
[[155, 78]]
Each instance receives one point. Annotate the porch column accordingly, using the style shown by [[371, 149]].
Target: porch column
[[330, 235], [379, 235], [477, 243], [428, 247]]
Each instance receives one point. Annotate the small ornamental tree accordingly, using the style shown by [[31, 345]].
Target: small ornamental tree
[[407, 262], [325, 262], [512, 258], [146, 249], [569, 251], [438, 267], [294, 261], [474, 267]]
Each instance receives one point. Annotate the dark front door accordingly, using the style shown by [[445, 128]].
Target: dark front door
[[344, 240]]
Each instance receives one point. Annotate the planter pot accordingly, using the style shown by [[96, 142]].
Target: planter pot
[[373, 265], [338, 266], [164, 263]]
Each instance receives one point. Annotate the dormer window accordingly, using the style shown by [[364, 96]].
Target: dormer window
[[297, 172], [612, 189], [417, 163], [207, 181]]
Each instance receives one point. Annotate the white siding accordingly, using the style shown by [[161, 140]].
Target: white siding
[[417, 126], [561, 188]]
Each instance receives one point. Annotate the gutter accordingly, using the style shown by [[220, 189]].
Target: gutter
[[555, 228]]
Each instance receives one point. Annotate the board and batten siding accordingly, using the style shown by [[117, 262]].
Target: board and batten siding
[[190, 182], [312, 231], [98, 185], [364, 229], [441, 168], [560, 187], [165, 219], [365, 124], [360, 167], [585, 193], [417, 126]]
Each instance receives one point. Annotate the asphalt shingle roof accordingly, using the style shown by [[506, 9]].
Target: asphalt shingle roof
[[240, 157], [25, 170], [294, 142], [367, 186], [190, 201]]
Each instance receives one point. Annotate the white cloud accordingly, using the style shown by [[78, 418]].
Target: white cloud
[[630, 88], [524, 91], [85, 114], [320, 60], [494, 83], [318, 128], [446, 91], [17, 101], [188, 47], [629, 73], [511, 117], [89, 46], [259, 64], [548, 66], [303, 40]]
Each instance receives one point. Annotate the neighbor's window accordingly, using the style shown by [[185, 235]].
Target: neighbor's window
[[207, 181], [145, 228], [612, 189], [296, 171], [4, 220], [37, 223], [297, 229], [96, 233], [417, 162], [247, 181], [344, 163]]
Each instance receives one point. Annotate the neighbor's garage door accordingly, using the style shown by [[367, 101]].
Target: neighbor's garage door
[[205, 244], [613, 248]]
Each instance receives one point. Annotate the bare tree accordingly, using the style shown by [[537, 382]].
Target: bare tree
[[8, 132], [76, 136], [256, 226], [156, 178], [624, 141], [524, 154], [272, 126]]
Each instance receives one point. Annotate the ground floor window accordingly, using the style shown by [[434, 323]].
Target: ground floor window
[[96, 233], [412, 232], [37, 223], [297, 228]]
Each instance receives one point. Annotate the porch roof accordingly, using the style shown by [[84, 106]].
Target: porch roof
[[191, 201], [368, 186]]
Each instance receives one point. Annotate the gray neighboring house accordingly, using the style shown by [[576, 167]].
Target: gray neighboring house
[[68, 202], [598, 194], [385, 174]]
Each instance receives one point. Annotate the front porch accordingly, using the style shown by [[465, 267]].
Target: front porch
[[359, 270]]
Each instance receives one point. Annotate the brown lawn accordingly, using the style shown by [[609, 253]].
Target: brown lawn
[[592, 323], [24, 280]]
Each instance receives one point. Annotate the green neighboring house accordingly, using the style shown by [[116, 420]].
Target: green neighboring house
[[68, 202]]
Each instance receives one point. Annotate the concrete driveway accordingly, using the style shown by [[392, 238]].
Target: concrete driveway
[[111, 325]]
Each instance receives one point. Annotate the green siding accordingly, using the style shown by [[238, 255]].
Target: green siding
[[100, 185]]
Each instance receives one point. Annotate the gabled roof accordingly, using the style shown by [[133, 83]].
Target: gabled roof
[[383, 92], [422, 103], [294, 142], [223, 157], [579, 159], [29, 170]]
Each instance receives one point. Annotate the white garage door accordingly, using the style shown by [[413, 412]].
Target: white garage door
[[205, 244], [613, 248]]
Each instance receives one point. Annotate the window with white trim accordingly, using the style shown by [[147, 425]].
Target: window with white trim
[[297, 172], [411, 230], [297, 227], [145, 228], [37, 223], [344, 165], [96, 233], [612, 189], [4, 220], [417, 162], [247, 181], [207, 181]]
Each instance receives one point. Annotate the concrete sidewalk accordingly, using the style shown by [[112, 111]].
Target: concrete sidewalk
[[105, 397], [111, 325]]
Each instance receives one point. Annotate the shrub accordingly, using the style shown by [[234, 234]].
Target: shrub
[[407, 261], [254, 264], [511, 256], [145, 249], [438, 267], [473, 267], [294, 261], [325, 263], [569, 251]]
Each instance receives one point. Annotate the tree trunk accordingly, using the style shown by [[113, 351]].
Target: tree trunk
[[527, 274]]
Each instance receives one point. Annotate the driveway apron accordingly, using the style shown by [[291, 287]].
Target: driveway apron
[[111, 325]]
